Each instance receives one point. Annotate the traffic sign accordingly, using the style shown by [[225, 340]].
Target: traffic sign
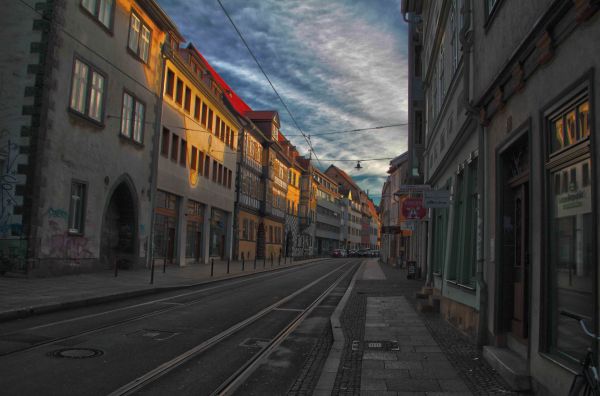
[[413, 209]]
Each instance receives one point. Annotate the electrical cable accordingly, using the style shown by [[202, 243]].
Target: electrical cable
[[355, 130], [270, 83]]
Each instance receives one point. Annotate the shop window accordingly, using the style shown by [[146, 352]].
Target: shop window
[[572, 267]]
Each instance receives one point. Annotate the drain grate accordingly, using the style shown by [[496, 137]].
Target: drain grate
[[76, 353], [382, 345]]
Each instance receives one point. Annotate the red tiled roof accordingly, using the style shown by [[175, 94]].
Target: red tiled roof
[[345, 176], [238, 103]]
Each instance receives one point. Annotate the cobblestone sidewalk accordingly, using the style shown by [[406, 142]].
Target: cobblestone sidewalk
[[442, 348]]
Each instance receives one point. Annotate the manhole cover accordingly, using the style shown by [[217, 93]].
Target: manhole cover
[[383, 345], [76, 353]]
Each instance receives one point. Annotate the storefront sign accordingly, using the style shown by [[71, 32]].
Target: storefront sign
[[413, 209], [576, 202], [436, 199]]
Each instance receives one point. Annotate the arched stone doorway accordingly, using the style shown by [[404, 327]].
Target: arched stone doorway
[[119, 225]]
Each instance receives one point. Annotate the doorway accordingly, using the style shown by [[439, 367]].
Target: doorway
[[513, 224], [118, 241]]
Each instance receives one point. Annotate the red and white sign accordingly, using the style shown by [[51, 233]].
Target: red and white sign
[[413, 209]]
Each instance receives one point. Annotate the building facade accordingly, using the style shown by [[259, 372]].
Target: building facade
[[197, 164], [77, 164], [328, 220], [510, 133]]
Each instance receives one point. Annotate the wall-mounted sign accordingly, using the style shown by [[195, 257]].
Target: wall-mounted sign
[[436, 198], [406, 188], [413, 209]]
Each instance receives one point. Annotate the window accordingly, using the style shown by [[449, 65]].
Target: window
[[570, 232], [183, 153], [132, 118], [174, 147], [204, 113], [164, 149], [210, 120], [230, 174], [101, 10], [215, 171], [194, 159], [188, 99], [245, 233], [179, 92], [87, 91], [170, 83], [200, 163], [77, 208], [220, 175], [197, 109], [139, 38], [206, 166], [218, 127]]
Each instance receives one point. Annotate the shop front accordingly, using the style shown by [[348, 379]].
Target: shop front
[[218, 233]]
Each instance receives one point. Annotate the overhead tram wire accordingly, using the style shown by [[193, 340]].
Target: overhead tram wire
[[307, 138], [356, 130]]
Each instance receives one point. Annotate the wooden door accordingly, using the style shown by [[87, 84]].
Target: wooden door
[[170, 244], [520, 262]]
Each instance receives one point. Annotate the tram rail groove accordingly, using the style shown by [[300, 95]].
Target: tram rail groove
[[163, 369], [157, 312], [234, 381]]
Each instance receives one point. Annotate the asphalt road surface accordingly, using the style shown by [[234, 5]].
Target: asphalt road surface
[[213, 339]]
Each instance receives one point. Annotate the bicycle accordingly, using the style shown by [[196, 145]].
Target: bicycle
[[586, 382]]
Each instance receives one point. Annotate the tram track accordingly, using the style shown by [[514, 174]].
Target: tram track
[[171, 306], [234, 380]]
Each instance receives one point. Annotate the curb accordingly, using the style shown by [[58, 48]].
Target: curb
[[21, 313], [330, 369]]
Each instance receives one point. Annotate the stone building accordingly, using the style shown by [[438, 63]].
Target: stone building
[[80, 101], [197, 162], [328, 219], [510, 132]]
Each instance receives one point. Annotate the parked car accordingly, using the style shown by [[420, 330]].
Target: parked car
[[338, 253]]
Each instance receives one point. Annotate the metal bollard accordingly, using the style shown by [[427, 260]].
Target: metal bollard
[[264, 262], [227, 264], [271, 259], [243, 262], [212, 267], [254, 263], [279, 261]]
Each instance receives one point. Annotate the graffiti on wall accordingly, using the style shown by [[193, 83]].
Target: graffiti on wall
[[9, 156], [61, 244]]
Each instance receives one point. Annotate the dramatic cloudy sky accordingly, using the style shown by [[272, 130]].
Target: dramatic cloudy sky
[[338, 64]]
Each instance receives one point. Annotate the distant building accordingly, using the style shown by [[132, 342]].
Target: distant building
[[328, 221]]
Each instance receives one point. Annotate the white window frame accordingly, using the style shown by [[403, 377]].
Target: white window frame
[[133, 113], [140, 37], [77, 207], [88, 90], [100, 10]]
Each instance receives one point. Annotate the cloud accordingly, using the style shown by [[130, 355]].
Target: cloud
[[338, 65]]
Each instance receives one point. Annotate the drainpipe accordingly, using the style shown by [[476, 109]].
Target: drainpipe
[[155, 157], [466, 39], [238, 187]]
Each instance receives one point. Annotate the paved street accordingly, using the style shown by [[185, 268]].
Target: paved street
[[205, 333]]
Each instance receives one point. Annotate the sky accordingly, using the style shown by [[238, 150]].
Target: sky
[[337, 64]]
